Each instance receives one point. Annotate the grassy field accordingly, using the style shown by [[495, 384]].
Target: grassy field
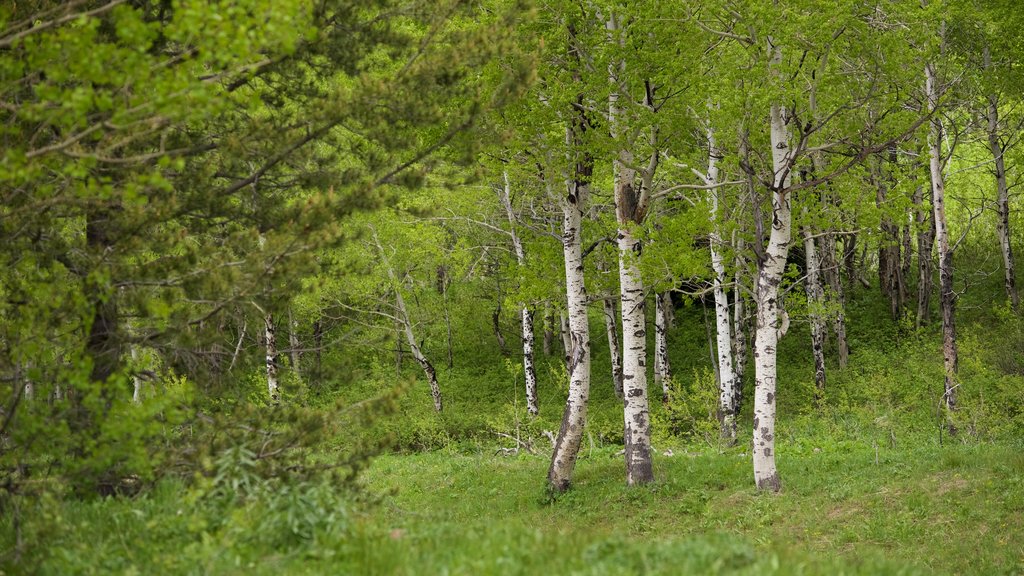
[[957, 509], [952, 510]]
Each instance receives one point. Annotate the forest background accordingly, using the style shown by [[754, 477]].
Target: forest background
[[505, 286]]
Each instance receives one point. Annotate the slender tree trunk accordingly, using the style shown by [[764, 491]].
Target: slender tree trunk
[[570, 434], [836, 293], [766, 476], [238, 346], [611, 328], [530, 373], [850, 258], [726, 373], [447, 318], [815, 300], [399, 346], [573, 204], [417, 353], [271, 344], [888, 247], [1002, 197], [496, 324], [505, 195], [549, 331], [632, 198], [136, 379], [662, 321], [925, 224], [907, 266], [739, 332], [947, 297], [103, 344], [294, 343], [318, 343], [402, 316]]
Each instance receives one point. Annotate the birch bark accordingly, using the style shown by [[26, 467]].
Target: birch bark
[[632, 196], [1002, 195], [947, 296], [530, 374], [405, 322], [294, 344], [727, 375], [271, 344], [573, 204], [662, 322], [766, 476], [815, 300], [570, 434], [611, 328]]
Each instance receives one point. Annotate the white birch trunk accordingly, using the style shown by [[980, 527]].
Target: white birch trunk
[[136, 381], [570, 435], [723, 343], [739, 325], [631, 200], [294, 344], [815, 300], [402, 316], [662, 322], [1002, 196], [947, 297], [417, 354], [271, 343], [530, 374], [612, 330], [769, 319]]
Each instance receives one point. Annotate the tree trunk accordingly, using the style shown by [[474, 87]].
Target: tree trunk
[[888, 247], [573, 204], [271, 343], [136, 379], [766, 476], [447, 319], [726, 373], [947, 297], [496, 324], [739, 332], [402, 317], [850, 258], [632, 197], [549, 331], [318, 343], [925, 224], [1002, 199], [417, 354], [570, 435], [611, 328], [294, 344], [815, 301], [530, 375], [662, 322], [836, 294]]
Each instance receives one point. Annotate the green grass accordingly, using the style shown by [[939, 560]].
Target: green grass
[[951, 510]]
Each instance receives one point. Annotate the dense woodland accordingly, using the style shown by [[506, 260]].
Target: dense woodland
[[308, 285]]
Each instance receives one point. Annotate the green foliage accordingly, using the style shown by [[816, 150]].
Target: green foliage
[[690, 412]]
